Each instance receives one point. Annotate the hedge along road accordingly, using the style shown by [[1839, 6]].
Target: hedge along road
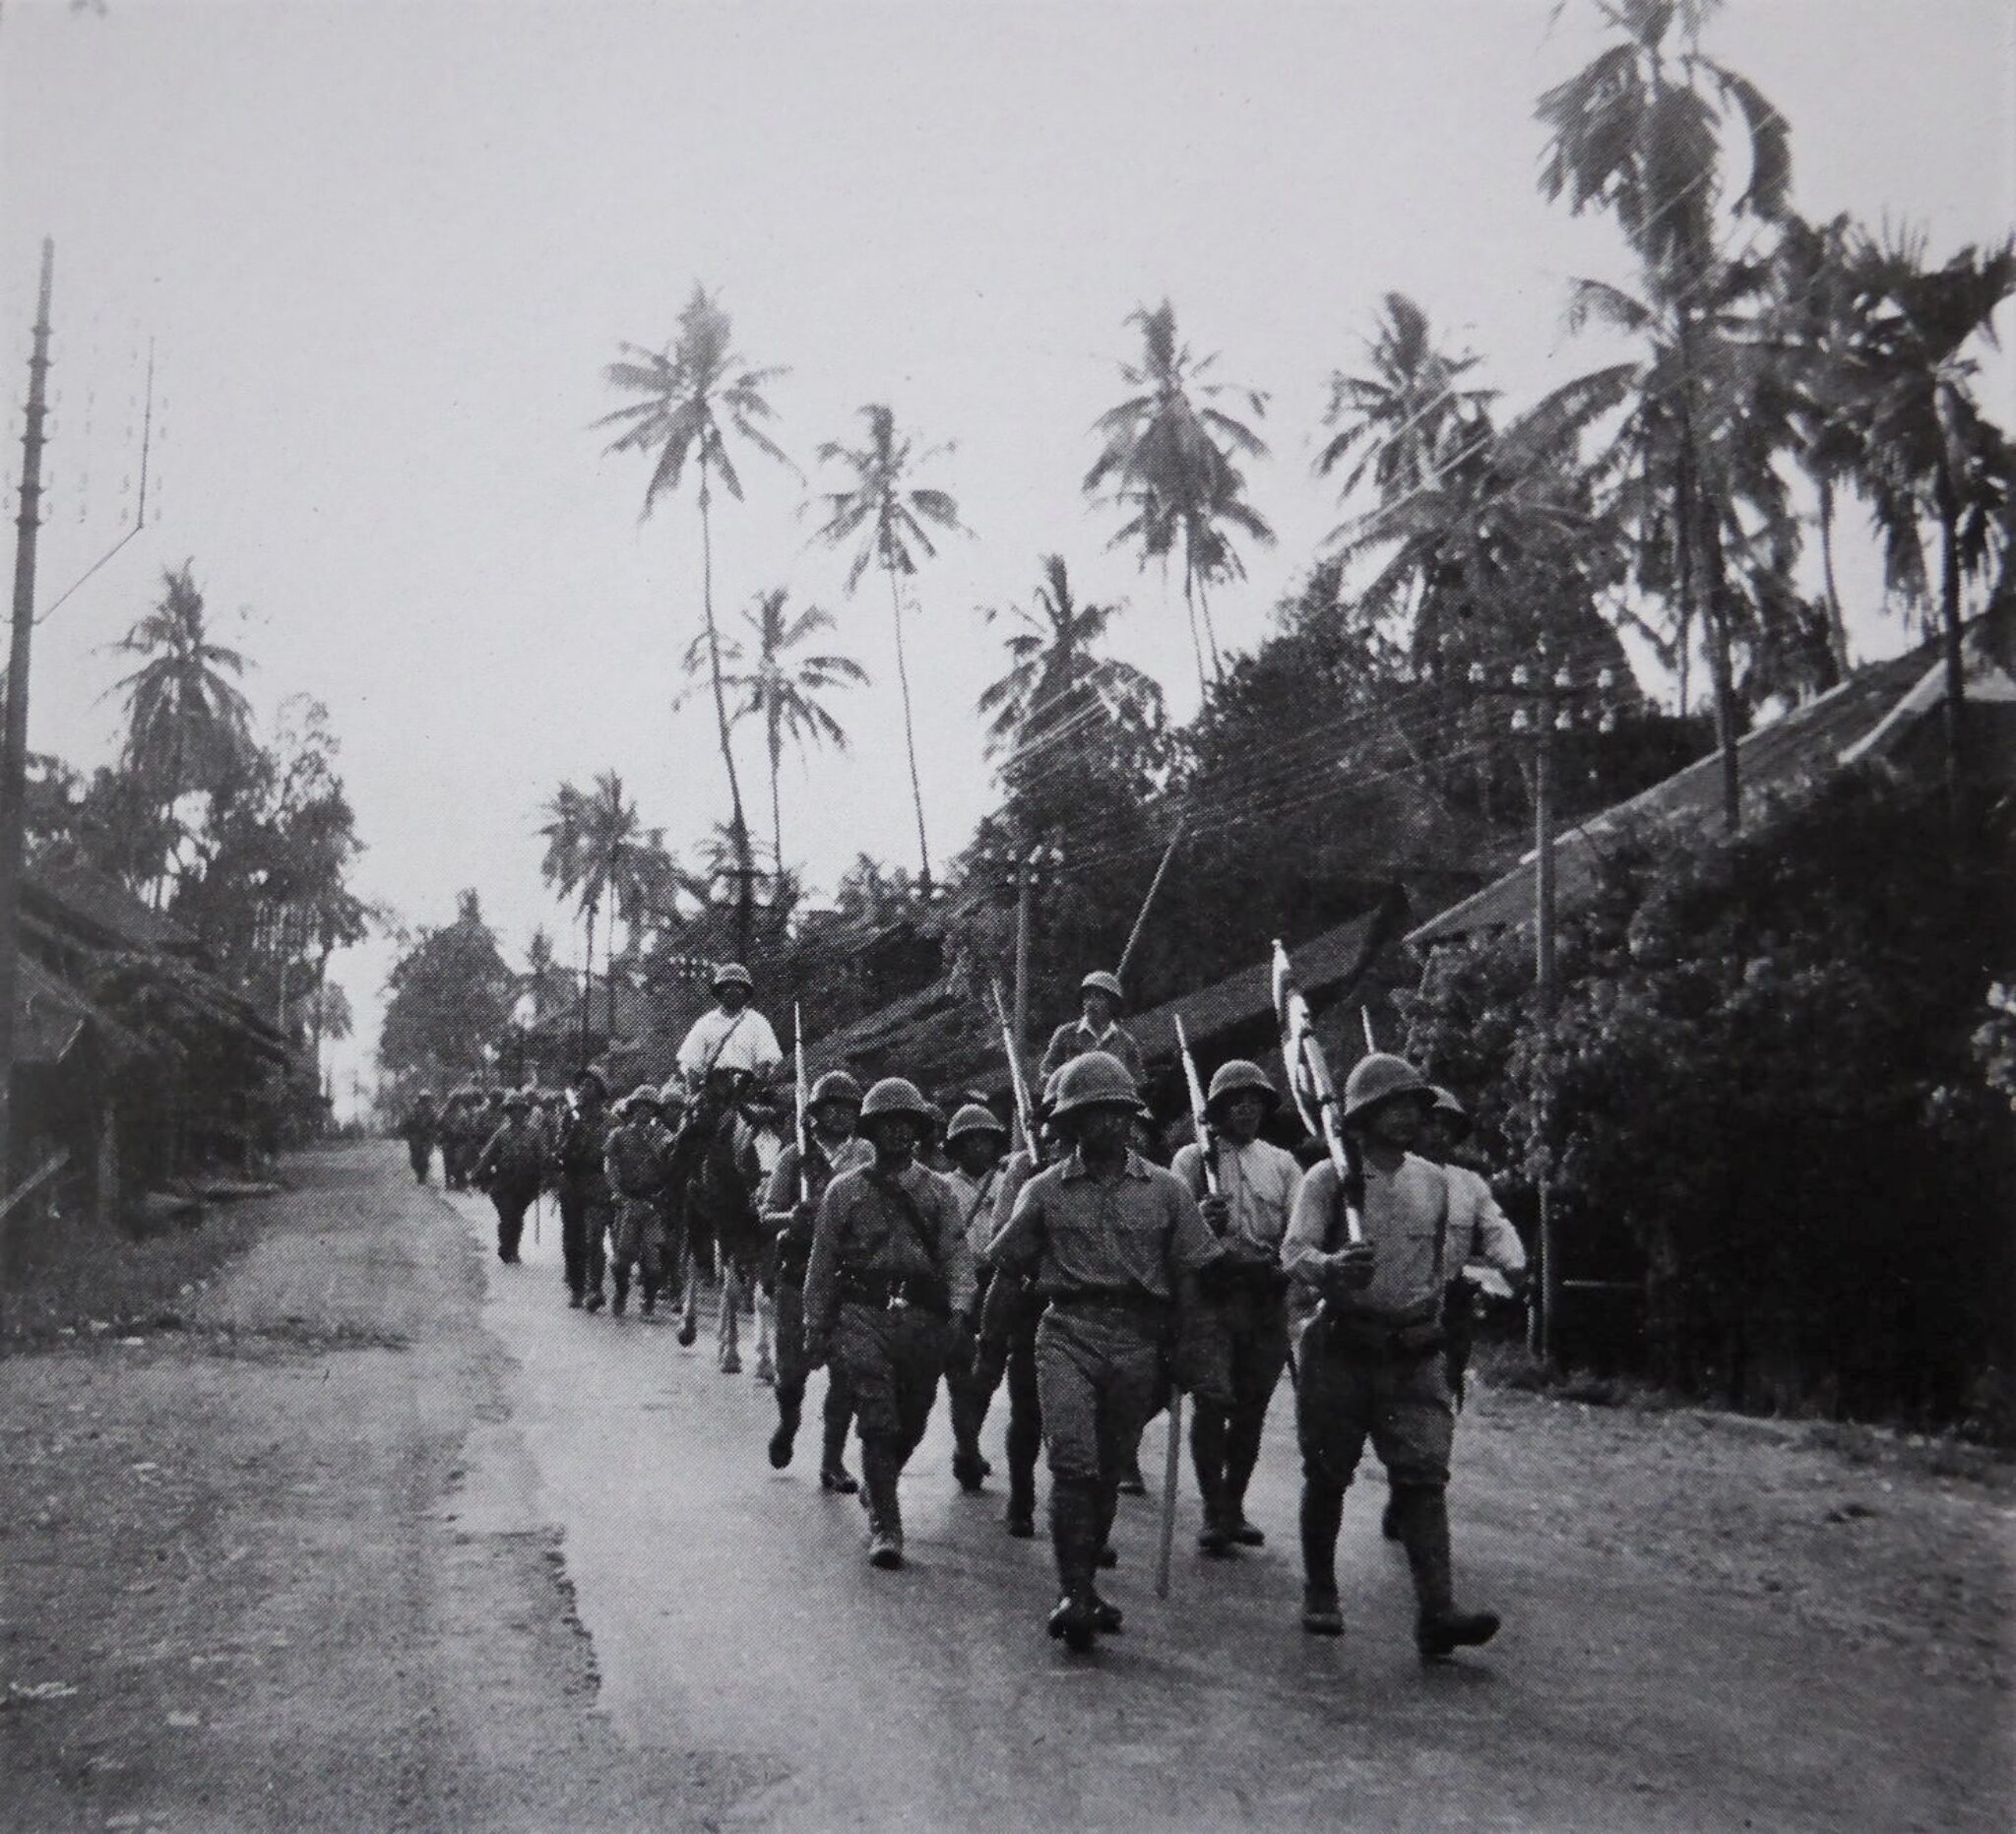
[[1709, 1622]]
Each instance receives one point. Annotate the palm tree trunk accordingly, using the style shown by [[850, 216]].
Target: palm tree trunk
[[1210, 635], [739, 824], [1722, 665], [776, 741], [1954, 656], [909, 737], [1837, 627], [587, 982], [1196, 642]]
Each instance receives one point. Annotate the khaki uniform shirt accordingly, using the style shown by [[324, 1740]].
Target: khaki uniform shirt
[[781, 1195], [975, 1200], [1258, 1180], [1133, 1233], [1405, 1213], [862, 1231], [1479, 1233], [634, 1160], [1075, 1039]]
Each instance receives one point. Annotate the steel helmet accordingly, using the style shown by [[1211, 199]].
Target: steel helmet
[[974, 1119], [1378, 1078], [897, 1095], [1100, 981], [835, 1086], [731, 975], [1237, 1076], [1098, 1079], [644, 1095], [587, 1076], [673, 1095]]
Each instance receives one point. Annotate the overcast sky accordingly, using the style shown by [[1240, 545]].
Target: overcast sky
[[384, 250]]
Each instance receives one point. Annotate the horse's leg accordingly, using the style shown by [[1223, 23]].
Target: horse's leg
[[689, 1278], [766, 1367], [731, 1304]]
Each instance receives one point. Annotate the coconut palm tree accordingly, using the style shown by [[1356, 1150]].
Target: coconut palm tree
[[188, 724], [1167, 457], [782, 689], [1929, 451], [893, 517], [1055, 677], [1655, 132], [598, 852], [690, 399]]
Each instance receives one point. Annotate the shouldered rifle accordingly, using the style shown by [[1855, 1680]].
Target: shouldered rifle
[[1024, 1115], [1308, 1076], [804, 1137], [1200, 1113]]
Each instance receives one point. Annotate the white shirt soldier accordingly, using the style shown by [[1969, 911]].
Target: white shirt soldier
[[1369, 1361], [734, 1036], [1237, 1345]]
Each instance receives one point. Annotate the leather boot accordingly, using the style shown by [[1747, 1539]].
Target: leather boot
[[1241, 1454], [1424, 1523], [1109, 1507], [837, 1417], [1322, 1514], [1074, 1536], [1207, 1457], [622, 1300], [788, 1409], [880, 1468], [1020, 1516]]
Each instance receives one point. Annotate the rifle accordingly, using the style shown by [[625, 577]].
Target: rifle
[[1308, 1076], [1200, 1114], [1024, 1110], [1366, 1020], [804, 1140]]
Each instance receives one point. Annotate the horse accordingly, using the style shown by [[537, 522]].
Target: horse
[[725, 1153]]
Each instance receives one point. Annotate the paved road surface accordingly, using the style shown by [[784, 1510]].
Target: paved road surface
[[731, 1609]]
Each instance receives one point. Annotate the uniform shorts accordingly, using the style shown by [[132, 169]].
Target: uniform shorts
[[1100, 1376], [1402, 1404], [890, 1362]]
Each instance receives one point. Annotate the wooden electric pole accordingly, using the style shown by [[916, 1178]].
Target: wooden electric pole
[[14, 757]]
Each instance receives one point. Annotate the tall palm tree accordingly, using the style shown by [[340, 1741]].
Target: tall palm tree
[[1167, 457], [1649, 129], [1054, 676], [892, 519], [188, 724], [1930, 453], [689, 400], [782, 689]]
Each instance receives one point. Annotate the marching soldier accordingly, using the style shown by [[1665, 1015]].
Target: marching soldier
[[584, 1209], [1370, 1352], [1238, 1342], [734, 1036], [1114, 1242], [418, 1130], [457, 1125], [888, 1293], [634, 1164], [974, 1142], [509, 1169], [672, 1200], [788, 1214], [1095, 1029]]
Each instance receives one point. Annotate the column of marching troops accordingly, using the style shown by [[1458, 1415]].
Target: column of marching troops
[[1080, 1274]]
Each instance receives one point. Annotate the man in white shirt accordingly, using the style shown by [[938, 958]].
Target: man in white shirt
[[1239, 1339], [734, 1036]]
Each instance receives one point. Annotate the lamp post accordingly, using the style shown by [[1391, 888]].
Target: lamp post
[[1548, 699], [1018, 877]]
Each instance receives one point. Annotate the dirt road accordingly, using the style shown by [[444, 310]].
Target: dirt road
[[387, 1537]]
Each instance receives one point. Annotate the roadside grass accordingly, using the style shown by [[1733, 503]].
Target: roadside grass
[[71, 1277]]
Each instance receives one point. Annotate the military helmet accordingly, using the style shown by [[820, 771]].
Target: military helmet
[[644, 1095], [1379, 1078], [835, 1086], [896, 1094], [1100, 981], [974, 1119], [1098, 1079], [1238, 1076], [673, 1095], [588, 1076], [731, 975]]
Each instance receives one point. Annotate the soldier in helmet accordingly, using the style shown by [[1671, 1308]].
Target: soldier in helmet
[[888, 1296], [509, 1169], [1238, 1342], [1113, 1244], [1369, 1351], [975, 1142], [734, 1036], [634, 1163], [584, 1208], [1099, 999], [455, 1130], [418, 1130], [671, 1199], [790, 1209]]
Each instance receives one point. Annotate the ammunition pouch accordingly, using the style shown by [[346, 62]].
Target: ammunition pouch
[[925, 1293], [1367, 1337]]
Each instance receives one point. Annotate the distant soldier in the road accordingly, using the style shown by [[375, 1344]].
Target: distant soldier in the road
[[888, 1297], [734, 1036], [672, 1200], [975, 1143], [418, 1130], [1370, 1352], [1237, 1345], [634, 1163], [576, 1156], [509, 1169], [1095, 1029], [455, 1133], [790, 1209], [1114, 1243]]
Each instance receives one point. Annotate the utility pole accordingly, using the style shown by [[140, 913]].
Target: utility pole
[[1551, 699], [1019, 881], [14, 757]]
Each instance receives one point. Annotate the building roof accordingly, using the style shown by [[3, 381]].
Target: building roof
[[69, 896], [1833, 729], [54, 1018]]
